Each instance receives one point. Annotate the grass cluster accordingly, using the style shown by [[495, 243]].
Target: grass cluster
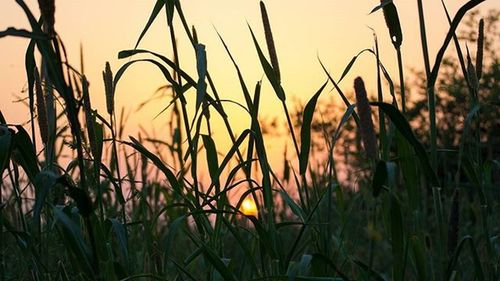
[[120, 211]]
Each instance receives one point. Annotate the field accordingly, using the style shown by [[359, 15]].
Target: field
[[399, 188]]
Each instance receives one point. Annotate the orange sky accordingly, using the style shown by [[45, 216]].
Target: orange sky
[[334, 29]]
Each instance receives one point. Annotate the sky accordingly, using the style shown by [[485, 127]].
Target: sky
[[334, 30]]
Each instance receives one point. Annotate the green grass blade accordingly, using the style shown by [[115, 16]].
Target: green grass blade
[[201, 67], [305, 131], [213, 162], [268, 70], [25, 152], [154, 13], [404, 127]]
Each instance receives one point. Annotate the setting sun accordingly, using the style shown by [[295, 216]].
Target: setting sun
[[249, 208]]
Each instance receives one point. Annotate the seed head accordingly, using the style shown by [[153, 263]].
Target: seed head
[[107, 76], [480, 46], [270, 41], [87, 108], [41, 108], [392, 22], [365, 118]]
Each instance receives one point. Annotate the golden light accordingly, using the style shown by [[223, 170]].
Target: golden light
[[249, 208]]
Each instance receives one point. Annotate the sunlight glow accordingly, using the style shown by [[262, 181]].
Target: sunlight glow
[[249, 208]]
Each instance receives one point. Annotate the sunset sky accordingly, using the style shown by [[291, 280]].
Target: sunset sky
[[333, 29]]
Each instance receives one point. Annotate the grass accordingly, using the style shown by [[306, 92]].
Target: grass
[[120, 211]]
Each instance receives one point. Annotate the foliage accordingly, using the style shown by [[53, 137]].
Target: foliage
[[120, 211]]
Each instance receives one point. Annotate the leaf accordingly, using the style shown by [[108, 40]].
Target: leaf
[[218, 263], [5, 147], [170, 8], [156, 10], [432, 79], [268, 70], [121, 236], [475, 257], [418, 250], [11, 31], [351, 63], [347, 114], [381, 5], [25, 153], [375, 275], [296, 209], [397, 238], [80, 196], [213, 162], [158, 163], [305, 131], [44, 181], [404, 127], [73, 238], [379, 178], [201, 67]]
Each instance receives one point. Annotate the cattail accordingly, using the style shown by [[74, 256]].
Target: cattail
[[270, 41], [454, 221], [41, 108], [87, 109], [107, 76], [479, 54], [392, 22], [365, 118], [48, 9]]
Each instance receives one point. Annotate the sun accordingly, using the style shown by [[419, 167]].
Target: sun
[[249, 208]]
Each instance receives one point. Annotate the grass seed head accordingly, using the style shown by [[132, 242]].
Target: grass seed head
[[41, 108], [480, 47], [107, 76], [270, 41], [393, 24], [87, 108], [365, 117]]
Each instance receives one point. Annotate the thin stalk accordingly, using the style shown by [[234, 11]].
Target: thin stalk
[[184, 111], [381, 117], [112, 119], [423, 38], [430, 90], [296, 146], [431, 96], [401, 81]]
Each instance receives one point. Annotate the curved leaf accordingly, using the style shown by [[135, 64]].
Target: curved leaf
[[305, 131], [404, 127]]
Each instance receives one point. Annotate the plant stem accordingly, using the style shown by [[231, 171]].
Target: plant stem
[[401, 81]]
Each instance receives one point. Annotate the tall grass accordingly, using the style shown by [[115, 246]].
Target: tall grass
[[121, 211]]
